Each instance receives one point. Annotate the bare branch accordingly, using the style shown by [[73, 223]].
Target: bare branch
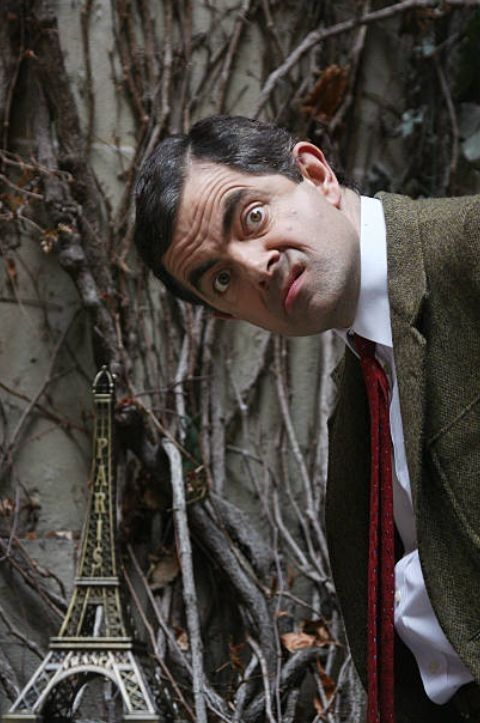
[[189, 593], [13, 630]]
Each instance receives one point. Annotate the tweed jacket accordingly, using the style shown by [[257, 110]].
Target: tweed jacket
[[433, 257]]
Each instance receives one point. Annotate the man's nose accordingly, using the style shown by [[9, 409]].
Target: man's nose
[[256, 261]]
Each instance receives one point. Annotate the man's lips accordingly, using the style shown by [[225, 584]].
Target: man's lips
[[292, 287]]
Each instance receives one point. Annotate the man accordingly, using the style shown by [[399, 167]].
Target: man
[[239, 217]]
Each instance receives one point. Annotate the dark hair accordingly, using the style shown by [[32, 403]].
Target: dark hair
[[241, 143]]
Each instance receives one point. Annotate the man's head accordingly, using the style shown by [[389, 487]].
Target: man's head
[[239, 216]]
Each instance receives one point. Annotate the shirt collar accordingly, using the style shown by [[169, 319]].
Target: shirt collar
[[372, 317]]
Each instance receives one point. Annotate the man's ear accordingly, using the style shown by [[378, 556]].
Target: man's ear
[[314, 167], [222, 315]]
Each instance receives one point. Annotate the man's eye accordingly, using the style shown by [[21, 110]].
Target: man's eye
[[254, 218], [221, 281]]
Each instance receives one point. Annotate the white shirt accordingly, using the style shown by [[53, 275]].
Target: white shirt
[[441, 669]]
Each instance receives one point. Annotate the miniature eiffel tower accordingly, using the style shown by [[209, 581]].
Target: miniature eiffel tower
[[93, 640]]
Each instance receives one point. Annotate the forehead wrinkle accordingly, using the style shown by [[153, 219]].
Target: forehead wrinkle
[[195, 228], [200, 217]]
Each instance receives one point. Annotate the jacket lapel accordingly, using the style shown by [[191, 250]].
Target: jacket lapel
[[407, 288]]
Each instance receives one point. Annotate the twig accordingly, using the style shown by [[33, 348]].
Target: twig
[[62, 421], [265, 677], [85, 14], [354, 62], [8, 678], [18, 634], [271, 28], [47, 380], [452, 166], [232, 49], [12, 80], [215, 703], [13, 528], [7, 456], [43, 572], [49, 598], [186, 566], [292, 672], [153, 642], [311, 512], [19, 189], [181, 374], [243, 689]]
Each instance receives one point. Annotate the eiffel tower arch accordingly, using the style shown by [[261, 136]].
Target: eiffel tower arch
[[65, 702], [54, 692]]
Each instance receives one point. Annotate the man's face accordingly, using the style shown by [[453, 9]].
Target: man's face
[[281, 255]]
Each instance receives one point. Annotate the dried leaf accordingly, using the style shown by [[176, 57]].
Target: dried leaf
[[321, 711], [64, 228], [11, 269], [32, 535], [163, 571], [291, 575], [182, 640], [317, 703], [7, 505], [234, 652], [13, 201], [327, 94], [297, 641], [59, 534], [49, 240], [320, 632], [328, 683], [329, 689]]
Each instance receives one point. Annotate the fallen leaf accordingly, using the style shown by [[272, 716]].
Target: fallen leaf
[[7, 505], [297, 641], [182, 640]]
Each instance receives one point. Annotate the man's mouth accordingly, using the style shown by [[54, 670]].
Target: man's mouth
[[292, 287]]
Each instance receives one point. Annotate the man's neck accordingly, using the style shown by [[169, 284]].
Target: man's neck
[[350, 205]]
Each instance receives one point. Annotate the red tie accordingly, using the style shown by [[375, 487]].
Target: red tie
[[381, 545]]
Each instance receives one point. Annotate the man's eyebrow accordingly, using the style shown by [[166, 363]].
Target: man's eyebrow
[[229, 209], [196, 274]]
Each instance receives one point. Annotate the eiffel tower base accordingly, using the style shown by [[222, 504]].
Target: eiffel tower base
[[64, 672]]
